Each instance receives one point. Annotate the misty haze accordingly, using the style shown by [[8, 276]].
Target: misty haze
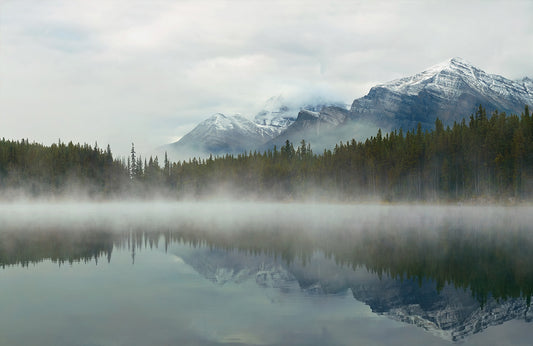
[[314, 273], [266, 172]]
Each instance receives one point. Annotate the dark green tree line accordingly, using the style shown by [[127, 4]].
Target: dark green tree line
[[57, 168], [480, 157]]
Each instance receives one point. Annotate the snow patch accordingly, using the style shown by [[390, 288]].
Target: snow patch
[[449, 78]]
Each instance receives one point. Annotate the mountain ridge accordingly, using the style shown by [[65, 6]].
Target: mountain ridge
[[220, 134], [450, 90]]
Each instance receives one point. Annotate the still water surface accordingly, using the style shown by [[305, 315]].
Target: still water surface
[[264, 274]]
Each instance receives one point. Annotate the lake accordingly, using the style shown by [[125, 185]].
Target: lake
[[248, 273]]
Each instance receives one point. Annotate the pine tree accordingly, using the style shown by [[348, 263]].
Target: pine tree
[[167, 165], [133, 170]]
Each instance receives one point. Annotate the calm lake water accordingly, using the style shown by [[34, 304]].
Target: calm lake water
[[264, 274]]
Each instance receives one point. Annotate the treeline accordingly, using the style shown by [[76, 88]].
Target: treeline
[[483, 157], [486, 157], [60, 168]]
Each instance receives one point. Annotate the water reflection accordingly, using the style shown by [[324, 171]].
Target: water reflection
[[452, 279]]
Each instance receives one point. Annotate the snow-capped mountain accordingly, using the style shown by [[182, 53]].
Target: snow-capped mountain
[[450, 91], [277, 113], [281, 112], [450, 78], [221, 134]]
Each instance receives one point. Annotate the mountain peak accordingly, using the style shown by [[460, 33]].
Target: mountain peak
[[217, 116], [448, 90], [445, 90], [281, 111], [451, 63], [221, 122], [458, 61], [447, 64], [446, 75]]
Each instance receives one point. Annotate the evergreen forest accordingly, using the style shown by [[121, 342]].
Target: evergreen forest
[[486, 157]]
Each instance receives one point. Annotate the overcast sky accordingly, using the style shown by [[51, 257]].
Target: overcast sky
[[147, 72]]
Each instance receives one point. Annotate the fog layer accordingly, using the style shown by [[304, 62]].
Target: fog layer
[[226, 216]]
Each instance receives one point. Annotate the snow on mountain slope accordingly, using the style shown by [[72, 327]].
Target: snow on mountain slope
[[527, 83], [221, 134], [218, 124], [450, 90], [450, 77], [276, 113], [280, 112]]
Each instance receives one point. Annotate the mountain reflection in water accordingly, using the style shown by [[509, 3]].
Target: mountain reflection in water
[[453, 278]]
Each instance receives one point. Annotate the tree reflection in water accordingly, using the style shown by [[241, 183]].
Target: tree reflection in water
[[490, 262]]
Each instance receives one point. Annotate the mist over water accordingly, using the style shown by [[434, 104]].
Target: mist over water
[[404, 263], [230, 216]]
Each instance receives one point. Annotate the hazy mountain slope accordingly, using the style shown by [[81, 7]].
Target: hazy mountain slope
[[221, 134], [451, 91], [211, 136], [277, 113], [323, 129]]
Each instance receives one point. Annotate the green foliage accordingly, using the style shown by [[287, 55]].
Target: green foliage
[[488, 158], [55, 169]]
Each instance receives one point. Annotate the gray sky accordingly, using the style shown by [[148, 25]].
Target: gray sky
[[149, 71]]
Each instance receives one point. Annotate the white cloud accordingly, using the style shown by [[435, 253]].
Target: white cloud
[[146, 71]]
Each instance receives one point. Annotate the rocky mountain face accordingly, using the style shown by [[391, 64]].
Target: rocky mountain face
[[451, 313], [321, 126], [221, 134], [450, 91]]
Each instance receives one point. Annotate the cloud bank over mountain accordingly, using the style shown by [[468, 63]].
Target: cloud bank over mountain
[[123, 71], [450, 91]]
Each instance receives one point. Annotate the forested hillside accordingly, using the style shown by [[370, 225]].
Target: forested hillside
[[486, 157]]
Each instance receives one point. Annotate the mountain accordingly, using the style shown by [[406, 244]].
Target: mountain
[[450, 91], [277, 113], [221, 134], [450, 313], [324, 128]]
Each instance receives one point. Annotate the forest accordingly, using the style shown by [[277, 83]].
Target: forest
[[483, 158]]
